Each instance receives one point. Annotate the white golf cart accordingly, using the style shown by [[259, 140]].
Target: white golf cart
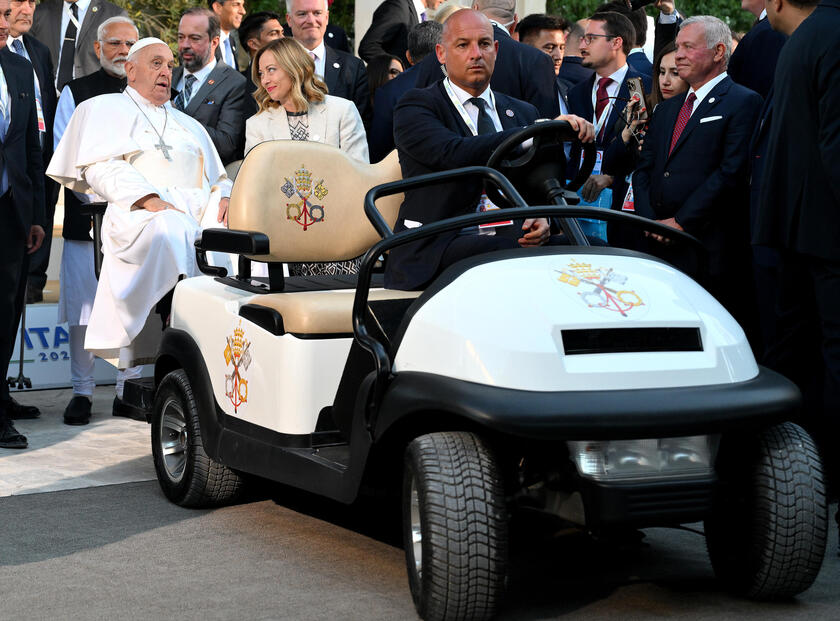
[[597, 384]]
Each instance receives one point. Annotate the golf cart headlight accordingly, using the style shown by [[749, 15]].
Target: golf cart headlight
[[630, 459]]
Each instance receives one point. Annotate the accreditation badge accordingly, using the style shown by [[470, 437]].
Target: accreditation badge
[[485, 204], [42, 126]]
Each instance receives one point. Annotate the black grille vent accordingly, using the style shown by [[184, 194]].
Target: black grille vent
[[626, 340]]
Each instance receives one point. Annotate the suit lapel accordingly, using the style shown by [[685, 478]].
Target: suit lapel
[[507, 113], [618, 106], [210, 84], [89, 22], [317, 122], [584, 99], [13, 110], [332, 67], [709, 102], [177, 74]]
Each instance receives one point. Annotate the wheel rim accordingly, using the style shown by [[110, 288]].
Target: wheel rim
[[174, 439], [416, 532]]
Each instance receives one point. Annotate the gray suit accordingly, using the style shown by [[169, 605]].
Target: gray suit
[[219, 105], [46, 27]]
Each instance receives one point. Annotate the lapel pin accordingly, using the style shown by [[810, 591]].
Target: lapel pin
[[711, 100], [211, 81], [509, 112], [94, 9], [330, 35], [336, 65]]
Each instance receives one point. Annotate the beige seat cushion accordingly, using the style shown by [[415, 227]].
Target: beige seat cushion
[[308, 198], [322, 312]]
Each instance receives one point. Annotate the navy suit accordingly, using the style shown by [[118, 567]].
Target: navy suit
[[703, 183], [39, 55], [381, 134], [639, 62], [522, 72], [346, 77], [431, 136], [580, 103], [573, 72], [753, 62], [23, 205]]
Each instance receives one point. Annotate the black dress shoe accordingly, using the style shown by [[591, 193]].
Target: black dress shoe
[[121, 408], [16, 411], [9, 436], [77, 411]]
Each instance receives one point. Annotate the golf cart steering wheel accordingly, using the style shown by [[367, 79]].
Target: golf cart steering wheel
[[538, 170]]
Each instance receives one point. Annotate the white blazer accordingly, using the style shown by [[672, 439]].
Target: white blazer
[[333, 121]]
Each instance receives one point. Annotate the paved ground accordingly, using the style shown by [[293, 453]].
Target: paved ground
[[99, 551]]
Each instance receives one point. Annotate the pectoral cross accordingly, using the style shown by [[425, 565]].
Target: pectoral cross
[[164, 148]]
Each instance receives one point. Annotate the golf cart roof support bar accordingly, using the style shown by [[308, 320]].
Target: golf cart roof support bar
[[436, 178], [378, 349]]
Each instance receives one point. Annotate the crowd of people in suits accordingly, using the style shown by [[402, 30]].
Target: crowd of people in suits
[[727, 146]]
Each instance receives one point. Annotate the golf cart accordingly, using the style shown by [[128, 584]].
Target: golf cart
[[597, 384]]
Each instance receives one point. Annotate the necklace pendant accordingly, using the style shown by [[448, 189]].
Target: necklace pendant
[[164, 148]]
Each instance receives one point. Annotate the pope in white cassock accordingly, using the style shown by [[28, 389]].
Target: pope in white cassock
[[163, 181]]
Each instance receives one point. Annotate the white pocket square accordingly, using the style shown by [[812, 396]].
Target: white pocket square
[[709, 119], [412, 224]]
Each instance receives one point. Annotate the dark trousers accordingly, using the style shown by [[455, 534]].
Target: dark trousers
[[13, 268], [806, 346], [40, 260]]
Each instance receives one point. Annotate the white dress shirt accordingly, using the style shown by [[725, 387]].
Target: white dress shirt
[[472, 110], [612, 91], [200, 78], [65, 19], [226, 49], [419, 8], [704, 90]]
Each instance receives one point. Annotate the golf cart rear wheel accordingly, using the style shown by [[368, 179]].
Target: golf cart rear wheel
[[187, 476], [454, 527], [767, 532]]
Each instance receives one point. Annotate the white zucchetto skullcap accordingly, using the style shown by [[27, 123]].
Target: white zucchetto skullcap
[[145, 42]]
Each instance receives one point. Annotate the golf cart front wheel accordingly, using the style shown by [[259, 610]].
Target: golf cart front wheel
[[767, 532], [454, 527], [187, 476]]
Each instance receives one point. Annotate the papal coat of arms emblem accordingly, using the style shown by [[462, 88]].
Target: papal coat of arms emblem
[[237, 355], [304, 211], [601, 288]]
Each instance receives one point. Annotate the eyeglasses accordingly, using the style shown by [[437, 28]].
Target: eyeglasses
[[588, 37]]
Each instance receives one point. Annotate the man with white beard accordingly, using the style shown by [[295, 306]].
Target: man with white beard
[[163, 180], [115, 36]]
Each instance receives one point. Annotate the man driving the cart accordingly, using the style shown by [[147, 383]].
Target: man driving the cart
[[459, 121]]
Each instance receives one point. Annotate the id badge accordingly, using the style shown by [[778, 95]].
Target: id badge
[[599, 158], [485, 204], [629, 203]]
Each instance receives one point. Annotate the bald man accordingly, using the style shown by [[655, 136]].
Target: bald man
[[457, 122]]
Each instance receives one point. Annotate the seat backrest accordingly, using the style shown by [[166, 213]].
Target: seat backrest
[[308, 198]]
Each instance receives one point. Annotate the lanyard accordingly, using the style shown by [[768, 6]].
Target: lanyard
[[460, 107], [605, 114]]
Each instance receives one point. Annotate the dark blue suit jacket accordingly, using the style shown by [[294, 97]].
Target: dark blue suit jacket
[[703, 183], [431, 137], [573, 72], [580, 103], [522, 72], [21, 150], [381, 134], [638, 61], [753, 62]]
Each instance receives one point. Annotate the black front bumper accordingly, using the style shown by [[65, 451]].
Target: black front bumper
[[767, 399]]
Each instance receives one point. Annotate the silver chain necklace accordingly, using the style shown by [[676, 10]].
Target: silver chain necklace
[[161, 145]]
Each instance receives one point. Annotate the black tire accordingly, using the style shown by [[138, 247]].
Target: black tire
[[767, 532], [460, 514], [187, 476]]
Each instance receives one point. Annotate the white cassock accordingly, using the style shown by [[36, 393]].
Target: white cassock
[[111, 147]]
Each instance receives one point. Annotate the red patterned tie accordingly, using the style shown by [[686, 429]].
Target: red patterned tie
[[601, 97], [682, 119]]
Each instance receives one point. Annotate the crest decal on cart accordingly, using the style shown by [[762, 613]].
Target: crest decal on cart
[[237, 355], [601, 288], [304, 211]]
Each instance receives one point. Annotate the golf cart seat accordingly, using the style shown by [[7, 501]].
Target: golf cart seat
[[307, 198]]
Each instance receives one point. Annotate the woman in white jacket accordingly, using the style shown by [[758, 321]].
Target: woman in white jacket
[[294, 105]]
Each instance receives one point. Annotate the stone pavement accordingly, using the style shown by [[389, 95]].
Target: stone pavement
[[109, 450]]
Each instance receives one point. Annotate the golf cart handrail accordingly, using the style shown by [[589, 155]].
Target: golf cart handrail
[[436, 178], [376, 348]]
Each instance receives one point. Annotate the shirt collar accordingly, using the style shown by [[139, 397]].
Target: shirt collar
[[763, 14], [704, 90], [202, 73], [419, 8], [617, 77], [500, 26], [320, 51], [463, 95], [82, 4], [13, 39], [138, 98]]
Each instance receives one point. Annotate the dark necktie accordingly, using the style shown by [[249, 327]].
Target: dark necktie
[[602, 98], [485, 123], [68, 50], [682, 120], [184, 96]]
